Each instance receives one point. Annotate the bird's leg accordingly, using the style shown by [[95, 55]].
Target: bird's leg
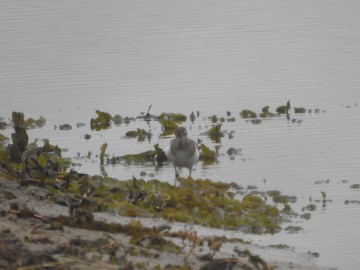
[[189, 173], [176, 173]]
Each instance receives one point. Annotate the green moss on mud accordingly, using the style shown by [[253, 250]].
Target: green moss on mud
[[199, 201]]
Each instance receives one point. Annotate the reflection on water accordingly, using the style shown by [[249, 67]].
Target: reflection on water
[[64, 60]]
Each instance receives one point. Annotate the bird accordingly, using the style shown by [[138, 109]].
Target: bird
[[182, 151]]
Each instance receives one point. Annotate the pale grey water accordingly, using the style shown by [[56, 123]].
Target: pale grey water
[[65, 59]]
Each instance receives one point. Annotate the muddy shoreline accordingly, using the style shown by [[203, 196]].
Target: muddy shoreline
[[28, 224]]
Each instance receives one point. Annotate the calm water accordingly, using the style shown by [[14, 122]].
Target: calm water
[[65, 59]]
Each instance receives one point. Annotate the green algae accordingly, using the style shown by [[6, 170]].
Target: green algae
[[255, 121], [175, 117], [140, 134], [207, 154], [154, 156], [102, 152], [215, 133], [169, 120], [299, 110], [309, 207], [248, 114], [306, 216], [65, 127], [3, 140], [280, 246], [355, 186], [279, 198], [102, 121], [132, 134], [31, 123], [283, 109], [293, 229], [232, 151], [117, 119], [168, 124], [214, 119], [200, 201], [192, 117]]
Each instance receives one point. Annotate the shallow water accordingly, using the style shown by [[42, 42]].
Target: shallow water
[[64, 60]]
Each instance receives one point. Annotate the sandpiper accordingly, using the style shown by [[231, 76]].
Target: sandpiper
[[181, 151]]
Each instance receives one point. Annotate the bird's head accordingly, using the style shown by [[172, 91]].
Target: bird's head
[[180, 132]]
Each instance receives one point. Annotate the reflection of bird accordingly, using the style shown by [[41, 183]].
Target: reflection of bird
[[181, 151]]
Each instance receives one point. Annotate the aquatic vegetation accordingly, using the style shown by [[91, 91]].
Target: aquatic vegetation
[[215, 133], [102, 152], [102, 121], [65, 127], [265, 109], [169, 121], [232, 151], [207, 154], [280, 246], [3, 124], [169, 125], [175, 117], [214, 118], [248, 114], [256, 121], [279, 198], [299, 110], [265, 113], [293, 229], [117, 119], [309, 207], [3, 140], [284, 109], [192, 117], [156, 155], [306, 216], [31, 123], [79, 125], [352, 202], [141, 134], [132, 134], [355, 186], [20, 138]]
